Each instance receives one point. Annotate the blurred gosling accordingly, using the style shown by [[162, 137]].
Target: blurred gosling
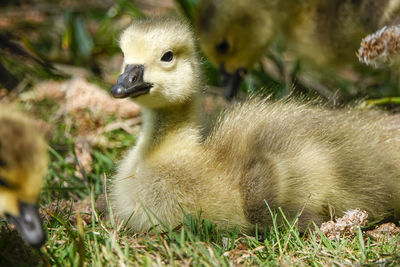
[[23, 165], [322, 34]]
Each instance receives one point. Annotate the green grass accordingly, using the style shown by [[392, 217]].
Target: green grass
[[94, 238]]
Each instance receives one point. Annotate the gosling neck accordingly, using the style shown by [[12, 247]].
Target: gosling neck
[[159, 122]]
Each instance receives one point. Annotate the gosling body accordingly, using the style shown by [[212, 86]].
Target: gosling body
[[289, 155]]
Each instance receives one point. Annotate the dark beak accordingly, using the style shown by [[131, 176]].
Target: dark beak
[[130, 83], [231, 81], [29, 225]]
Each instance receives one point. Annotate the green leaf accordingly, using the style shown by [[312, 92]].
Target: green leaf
[[66, 40], [83, 39], [187, 7]]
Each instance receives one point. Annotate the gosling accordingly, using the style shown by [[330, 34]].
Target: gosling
[[23, 164], [293, 156], [321, 34]]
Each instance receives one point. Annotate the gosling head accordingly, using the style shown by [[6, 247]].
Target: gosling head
[[23, 164], [234, 35], [160, 67]]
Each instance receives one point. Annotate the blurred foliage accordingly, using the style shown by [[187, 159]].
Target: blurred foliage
[[188, 8], [76, 37], [83, 45], [18, 64], [37, 35]]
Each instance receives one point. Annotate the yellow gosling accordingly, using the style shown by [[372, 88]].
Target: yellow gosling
[[286, 154]]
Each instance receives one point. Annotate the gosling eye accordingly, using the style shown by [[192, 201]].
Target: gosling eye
[[168, 56], [222, 47]]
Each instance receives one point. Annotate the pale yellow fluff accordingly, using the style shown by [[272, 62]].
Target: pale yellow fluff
[[290, 155]]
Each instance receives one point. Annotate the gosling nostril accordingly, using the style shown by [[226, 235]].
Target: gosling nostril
[[133, 79]]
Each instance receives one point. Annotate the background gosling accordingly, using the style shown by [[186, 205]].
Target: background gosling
[[323, 34], [286, 154], [23, 164]]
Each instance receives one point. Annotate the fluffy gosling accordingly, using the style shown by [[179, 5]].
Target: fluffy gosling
[[321, 34], [23, 164], [289, 155]]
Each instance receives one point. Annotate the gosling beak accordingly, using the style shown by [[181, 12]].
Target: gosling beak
[[231, 81], [29, 224], [130, 83]]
